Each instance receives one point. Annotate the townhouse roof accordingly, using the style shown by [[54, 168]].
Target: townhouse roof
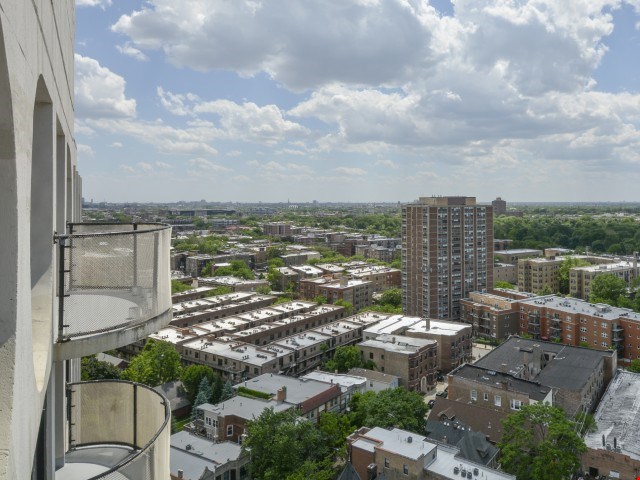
[[243, 407], [497, 379]]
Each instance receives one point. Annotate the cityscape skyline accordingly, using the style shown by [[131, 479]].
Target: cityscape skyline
[[357, 101]]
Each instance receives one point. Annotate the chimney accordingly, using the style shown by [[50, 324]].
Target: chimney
[[281, 394], [427, 323], [180, 473], [503, 368], [445, 440]]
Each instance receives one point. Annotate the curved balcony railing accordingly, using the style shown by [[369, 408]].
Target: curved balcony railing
[[117, 431], [113, 287]]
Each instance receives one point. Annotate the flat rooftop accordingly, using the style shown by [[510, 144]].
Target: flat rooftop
[[191, 454], [239, 351], [243, 407], [496, 379], [398, 343], [341, 379], [298, 389], [618, 416], [569, 369], [575, 305]]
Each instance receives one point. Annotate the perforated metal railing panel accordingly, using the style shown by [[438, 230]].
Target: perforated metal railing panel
[[122, 413], [113, 276]]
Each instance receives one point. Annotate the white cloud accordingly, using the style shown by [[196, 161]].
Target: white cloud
[[132, 52], [99, 92], [93, 3], [117, 145], [387, 164], [85, 150], [351, 171], [127, 169], [207, 165], [145, 167], [163, 165]]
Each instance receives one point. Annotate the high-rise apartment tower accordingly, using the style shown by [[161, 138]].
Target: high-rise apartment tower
[[447, 252]]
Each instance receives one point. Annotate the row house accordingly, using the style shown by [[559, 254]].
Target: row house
[[357, 292], [381, 278]]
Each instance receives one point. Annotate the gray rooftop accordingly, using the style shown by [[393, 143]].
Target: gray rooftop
[[495, 379], [192, 454], [570, 368], [618, 416], [298, 389], [243, 407]]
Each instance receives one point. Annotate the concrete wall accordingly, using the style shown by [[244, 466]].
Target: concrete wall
[[39, 191]]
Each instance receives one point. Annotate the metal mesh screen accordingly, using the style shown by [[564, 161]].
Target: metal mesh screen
[[123, 413], [113, 280]]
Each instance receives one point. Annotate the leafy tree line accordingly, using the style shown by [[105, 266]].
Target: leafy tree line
[[284, 446], [600, 235]]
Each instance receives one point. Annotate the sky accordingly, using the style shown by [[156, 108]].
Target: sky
[[358, 100]]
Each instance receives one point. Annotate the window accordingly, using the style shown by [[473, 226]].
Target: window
[[515, 404], [474, 395], [405, 469], [208, 421], [605, 335], [485, 397], [386, 462], [497, 400], [371, 355], [229, 430]]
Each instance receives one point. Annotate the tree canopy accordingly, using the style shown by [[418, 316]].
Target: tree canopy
[[158, 363], [283, 445], [191, 378], [392, 297], [237, 268], [93, 369], [635, 366], [345, 358], [539, 442], [607, 288], [395, 407]]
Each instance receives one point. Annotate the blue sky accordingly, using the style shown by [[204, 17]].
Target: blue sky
[[358, 100]]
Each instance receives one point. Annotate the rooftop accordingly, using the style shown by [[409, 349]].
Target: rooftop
[[575, 305], [496, 379], [618, 416], [398, 343], [569, 368], [243, 407], [192, 454], [341, 379], [298, 389]]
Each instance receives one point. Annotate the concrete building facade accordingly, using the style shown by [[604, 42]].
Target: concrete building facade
[[59, 284], [447, 252]]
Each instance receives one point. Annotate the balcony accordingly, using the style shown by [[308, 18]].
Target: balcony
[[118, 431], [113, 286]]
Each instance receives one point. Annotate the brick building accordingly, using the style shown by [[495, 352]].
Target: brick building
[[413, 360], [493, 315], [399, 454], [357, 292], [447, 252]]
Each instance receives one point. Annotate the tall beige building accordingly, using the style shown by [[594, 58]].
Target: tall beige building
[[447, 252]]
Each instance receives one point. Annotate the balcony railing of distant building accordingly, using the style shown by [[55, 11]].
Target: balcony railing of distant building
[[111, 278], [133, 417]]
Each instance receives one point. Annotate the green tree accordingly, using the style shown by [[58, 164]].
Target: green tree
[[314, 470], [93, 369], [227, 391], [503, 284], [158, 363], [607, 288], [263, 289], [204, 393], [320, 299], [216, 389], [274, 277], [236, 268], [345, 358], [280, 444], [395, 407], [348, 306], [563, 272], [586, 423], [219, 290], [178, 286], [635, 366], [392, 297], [539, 442], [335, 429], [191, 378]]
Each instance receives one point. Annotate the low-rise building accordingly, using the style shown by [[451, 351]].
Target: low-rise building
[[577, 375], [493, 315], [495, 390], [512, 256], [399, 454], [413, 360], [613, 448], [505, 272], [357, 292], [382, 278], [234, 283], [453, 338], [196, 458], [376, 381], [580, 278]]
